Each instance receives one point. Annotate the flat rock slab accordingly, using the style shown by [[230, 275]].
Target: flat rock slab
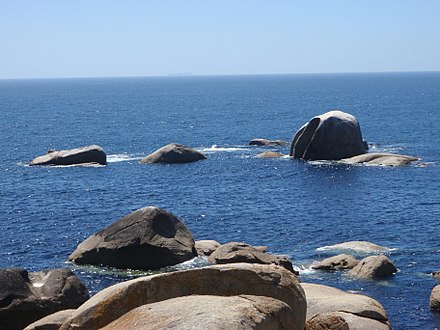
[[270, 154], [267, 143], [380, 159], [86, 155], [356, 246], [339, 262], [374, 267], [323, 299], [242, 279], [173, 154], [148, 238]]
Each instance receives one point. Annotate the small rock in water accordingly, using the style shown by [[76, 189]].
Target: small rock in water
[[339, 262], [374, 267]]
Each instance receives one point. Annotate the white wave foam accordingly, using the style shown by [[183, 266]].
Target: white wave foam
[[121, 158], [215, 148], [304, 270]]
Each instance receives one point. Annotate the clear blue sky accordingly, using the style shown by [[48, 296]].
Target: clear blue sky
[[100, 38]]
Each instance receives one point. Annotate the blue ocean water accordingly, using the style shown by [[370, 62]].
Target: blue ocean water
[[292, 207]]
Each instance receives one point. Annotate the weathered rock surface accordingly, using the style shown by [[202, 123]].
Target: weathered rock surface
[[374, 267], [359, 312], [205, 248], [119, 302], [357, 246], [87, 155], [434, 300], [208, 312], [148, 238], [331, 136], [26, 297], [327, 321], [241, 252], [339, 262], [380, 159], [172, 154], [270, 154], [267, 143], [52, 321], [436, 274]]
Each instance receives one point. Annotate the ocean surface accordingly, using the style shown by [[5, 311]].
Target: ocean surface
[[291, 206]]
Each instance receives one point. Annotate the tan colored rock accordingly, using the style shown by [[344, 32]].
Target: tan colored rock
[[270, 154], [357, 309], [380, 159], [327, 321], [220, 280], [205, 248], [339, 262], [241, 252], [434, 300], [374, 267], [52, 321], [173, 154], [357, 246], [208, 312]]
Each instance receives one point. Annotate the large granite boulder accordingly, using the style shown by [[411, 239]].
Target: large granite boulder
[[374, 267], [190, 297], [174, 153], [80, 156], [434, 300], [148, 238], [358, 311], [339, 262], [380, 159], [241, 252], [267, 143], [356, 246], [331, 136], [26, 297]]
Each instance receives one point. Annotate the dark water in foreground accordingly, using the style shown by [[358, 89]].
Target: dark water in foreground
[[290, 206]]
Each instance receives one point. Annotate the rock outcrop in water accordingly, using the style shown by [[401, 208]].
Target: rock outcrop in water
[[26, 297], [172, 154], [267, 143], [331, 136], [373, 267], [270, 154], [380, 159], [357, 246], [148, 238], [237, 296], [80, 156], [339, 262]]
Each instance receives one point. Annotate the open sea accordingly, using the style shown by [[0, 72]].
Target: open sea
[[291, 206]]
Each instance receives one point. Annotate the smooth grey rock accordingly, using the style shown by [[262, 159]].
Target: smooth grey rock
[[359, 311], [148, 238], [86, 155], [380, 159], [357, 246], [116, 301], [331, 136], [339, 262], [27, 297], [374, 267], [267, 143], [270, 154], [205, 248], [173, 153], [434, 300], [241, 252]]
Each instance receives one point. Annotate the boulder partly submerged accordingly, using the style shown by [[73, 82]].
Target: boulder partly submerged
[[173, 153], [148, 238], [339, 262], [26, 297], [374, 267], [89, 155], [380, 159], [358, 311], [270, 154], [333, 135], [237, 296], [356, 246], [267, 143]]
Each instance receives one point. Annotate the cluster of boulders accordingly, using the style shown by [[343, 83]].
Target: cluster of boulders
[[334, 135]]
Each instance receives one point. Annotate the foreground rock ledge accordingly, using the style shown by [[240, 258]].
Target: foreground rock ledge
[[173, 153], [86, 155], [265, 295], [148, 238], [27, 297]]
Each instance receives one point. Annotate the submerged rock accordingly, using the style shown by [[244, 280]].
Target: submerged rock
[[339, 262], [357, 246], [247, 297], [380, 159], [331, 136], [358, 311], [267, 143], [374, 267], [174, 153], [148, 238], [233, 252], [86, 155], [27, 297], [270, 154]]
